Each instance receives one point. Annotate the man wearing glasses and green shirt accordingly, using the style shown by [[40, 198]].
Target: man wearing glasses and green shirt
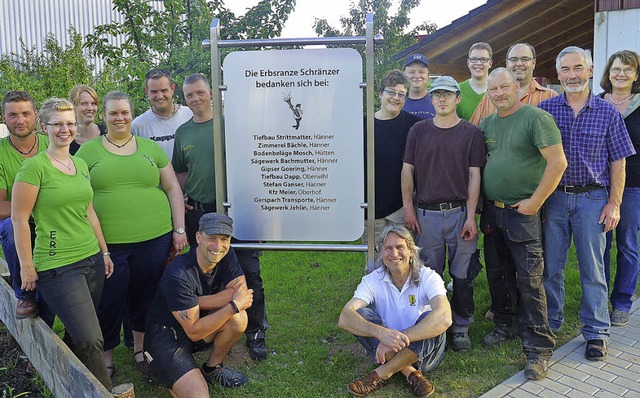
[[473, 89], [521, 60]]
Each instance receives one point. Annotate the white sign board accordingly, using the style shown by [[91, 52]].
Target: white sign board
[[294, 144]]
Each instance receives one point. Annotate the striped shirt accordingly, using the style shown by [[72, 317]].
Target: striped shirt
[[534, 95], [591, 140]]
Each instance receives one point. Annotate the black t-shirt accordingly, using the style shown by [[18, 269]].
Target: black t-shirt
[[390, 138], [183, 282], [73, 148]]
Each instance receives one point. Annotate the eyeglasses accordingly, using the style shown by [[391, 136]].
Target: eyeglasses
[[626, 71], [442, 94], [60, 125], [393, 93], [481, 60], [524, 60]]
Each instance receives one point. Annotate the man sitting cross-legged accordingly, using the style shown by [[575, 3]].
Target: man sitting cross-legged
[[399, 313]]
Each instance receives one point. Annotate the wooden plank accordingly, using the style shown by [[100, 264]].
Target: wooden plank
[[60, 369]]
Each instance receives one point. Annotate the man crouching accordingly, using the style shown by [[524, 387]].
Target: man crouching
[[201, 299], [399, 313]]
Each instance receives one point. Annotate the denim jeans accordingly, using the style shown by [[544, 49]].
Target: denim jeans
[[430, 352], [577, 215], [628, 261], [250, 264], [514, 263], [73, 292], [137, 270], [13, 263]]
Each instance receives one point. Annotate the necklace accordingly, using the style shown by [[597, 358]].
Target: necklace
[[621, 102], [116, 145], [35, 140], [176, 107], [67, 166]]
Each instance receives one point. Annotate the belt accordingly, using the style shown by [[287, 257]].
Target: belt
[[442, 206], [206, 207], [572, 189], [499, 205]]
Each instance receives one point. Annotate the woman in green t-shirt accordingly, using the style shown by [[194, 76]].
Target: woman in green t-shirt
[[141, 207], [70, 258]]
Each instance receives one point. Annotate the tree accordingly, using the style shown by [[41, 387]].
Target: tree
[[392, 27], [49, 73], [171, 39]]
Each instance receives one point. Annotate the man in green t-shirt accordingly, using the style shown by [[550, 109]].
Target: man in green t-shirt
[[193, 151], [525, 161], [473, 89], [19, 113]]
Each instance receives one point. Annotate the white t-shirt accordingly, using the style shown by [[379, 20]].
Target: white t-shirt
[[3, 131], [400, 309], [161, 130]]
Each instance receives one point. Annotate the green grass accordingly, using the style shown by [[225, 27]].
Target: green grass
[[312, 357]]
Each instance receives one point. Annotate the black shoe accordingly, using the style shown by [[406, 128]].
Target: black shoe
[[536, 368], [226, 377], [256, 345], [496, 338]]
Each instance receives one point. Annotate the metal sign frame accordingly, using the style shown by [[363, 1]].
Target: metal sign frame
[[215, 44]]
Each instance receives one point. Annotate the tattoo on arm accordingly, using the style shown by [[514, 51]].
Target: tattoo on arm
[[185, 315]]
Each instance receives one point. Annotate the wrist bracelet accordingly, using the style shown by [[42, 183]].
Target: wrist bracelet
[[106, 254], [234, 306]]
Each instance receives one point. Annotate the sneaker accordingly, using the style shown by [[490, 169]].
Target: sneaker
[[365, 385], [460, 341], [536, 368], [226, 377], [619, 317], [257, 347], [496, 338], [420, 387], [146, 372]]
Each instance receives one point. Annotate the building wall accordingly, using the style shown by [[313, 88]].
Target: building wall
[[613, 31], [33, 20]]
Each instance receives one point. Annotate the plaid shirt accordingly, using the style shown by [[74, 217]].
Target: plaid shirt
[[592, 140]]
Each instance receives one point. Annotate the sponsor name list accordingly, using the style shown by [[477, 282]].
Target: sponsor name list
[[294, 171]]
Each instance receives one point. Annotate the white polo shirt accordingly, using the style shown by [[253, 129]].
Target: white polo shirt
[[400, 309]]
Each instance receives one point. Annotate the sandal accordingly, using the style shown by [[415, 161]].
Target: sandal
[[596, 350], [420, 387], [111, 370]]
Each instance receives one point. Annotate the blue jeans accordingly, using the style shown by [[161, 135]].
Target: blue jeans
[[11, 256], [577, 215], [74, 293], [430, 352], [137, 270], [514, 262], [628, 261]]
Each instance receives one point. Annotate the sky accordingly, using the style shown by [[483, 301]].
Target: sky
[[300, 22]]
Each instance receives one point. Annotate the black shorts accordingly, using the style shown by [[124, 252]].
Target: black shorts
[[170, 352]]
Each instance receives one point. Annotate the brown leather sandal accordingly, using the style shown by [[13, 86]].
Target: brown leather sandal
[[365, 385], [420, 387]]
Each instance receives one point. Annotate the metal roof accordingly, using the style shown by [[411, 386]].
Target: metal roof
[[548, 25]]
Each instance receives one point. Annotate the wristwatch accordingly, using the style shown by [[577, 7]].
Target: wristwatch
[[179, 230]]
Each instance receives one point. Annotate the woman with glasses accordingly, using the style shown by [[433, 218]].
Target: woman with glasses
[[391, 126], [621, 85], [139, 200], [85, 101], [70, 259]]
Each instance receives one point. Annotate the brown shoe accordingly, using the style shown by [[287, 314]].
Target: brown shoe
[[420, 387], [366, 385], [26, 309]]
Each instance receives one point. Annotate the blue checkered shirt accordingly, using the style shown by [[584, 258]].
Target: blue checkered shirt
[[592, 140]]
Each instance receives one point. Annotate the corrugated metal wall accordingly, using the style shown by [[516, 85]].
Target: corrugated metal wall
[[34, 19]]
